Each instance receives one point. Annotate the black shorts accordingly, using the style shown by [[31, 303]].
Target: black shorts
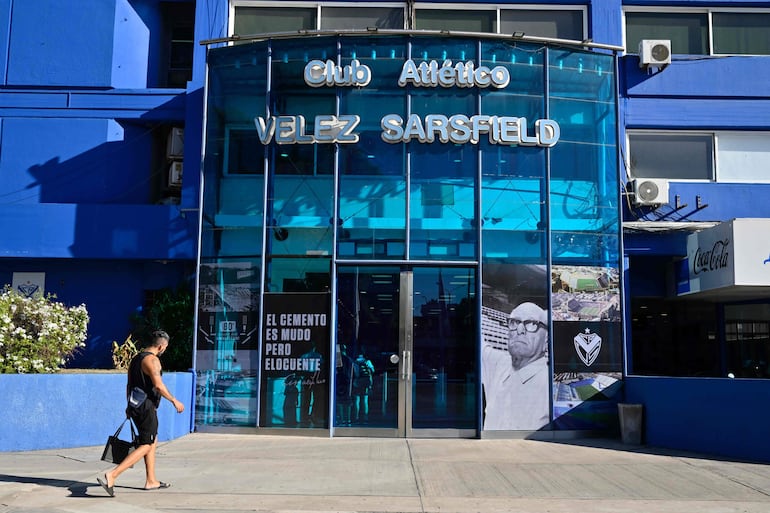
[[146, 421]]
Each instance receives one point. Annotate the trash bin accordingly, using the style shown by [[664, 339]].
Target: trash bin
[[630, 423]]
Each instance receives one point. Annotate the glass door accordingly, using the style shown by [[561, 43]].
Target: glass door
[[405, 363]]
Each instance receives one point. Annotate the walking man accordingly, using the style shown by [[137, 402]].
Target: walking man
[[144, 372]]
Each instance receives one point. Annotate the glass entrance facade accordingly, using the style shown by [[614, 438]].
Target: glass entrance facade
[[447, 208]]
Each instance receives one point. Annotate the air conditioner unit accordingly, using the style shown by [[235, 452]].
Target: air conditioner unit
[[175, 144], [654, 52], [175, 174], [650, 191]]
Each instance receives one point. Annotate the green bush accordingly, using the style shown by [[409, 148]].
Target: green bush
[[172, 311], [38, 334]]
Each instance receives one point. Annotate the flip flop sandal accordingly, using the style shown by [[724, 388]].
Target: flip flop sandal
[[160, 486], [109, 489]]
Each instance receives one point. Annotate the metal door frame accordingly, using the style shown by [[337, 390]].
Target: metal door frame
[[405, 349]]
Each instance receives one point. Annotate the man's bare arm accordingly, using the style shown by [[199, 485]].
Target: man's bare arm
[[151, 367]]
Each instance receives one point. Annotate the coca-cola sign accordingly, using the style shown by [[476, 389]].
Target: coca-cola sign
[[710, 262], [712, 258], [729, 256]]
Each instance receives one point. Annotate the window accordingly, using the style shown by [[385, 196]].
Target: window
[[243, 152], [180, 56], [546, 23], [175, 64], [671, 155], [719, 156], [743, 156], [458, 20], [361, 18], [259, 18], [672, 338], [741, 33], [691, 33], [562, 24], [747, 333]]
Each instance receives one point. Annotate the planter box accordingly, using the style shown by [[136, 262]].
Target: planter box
[[56, 411]]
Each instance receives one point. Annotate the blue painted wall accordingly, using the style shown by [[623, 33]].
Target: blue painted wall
[[56, 411], [103, 44], [81, 167], [130, 65], [705, 93], [45, 51], [96, 231], [72, 160], [112, 291], [714, 416], [726, 417]]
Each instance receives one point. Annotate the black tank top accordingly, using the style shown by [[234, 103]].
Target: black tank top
[[137, 378]]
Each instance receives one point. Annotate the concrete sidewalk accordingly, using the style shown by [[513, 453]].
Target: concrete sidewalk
[[237, 473]]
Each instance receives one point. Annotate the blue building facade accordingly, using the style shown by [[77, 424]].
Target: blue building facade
[[633, 205], [93, 115]]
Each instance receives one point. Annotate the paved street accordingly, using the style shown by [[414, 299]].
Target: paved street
[[228, 473]]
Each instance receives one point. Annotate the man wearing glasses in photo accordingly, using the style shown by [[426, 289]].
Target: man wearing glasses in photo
[[516, 383]]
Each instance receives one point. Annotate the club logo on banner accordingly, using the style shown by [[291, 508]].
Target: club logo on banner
[[588, 346]]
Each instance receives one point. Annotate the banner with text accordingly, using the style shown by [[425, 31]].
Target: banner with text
[[295, 360]]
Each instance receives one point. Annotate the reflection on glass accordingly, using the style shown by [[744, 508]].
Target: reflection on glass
[[227, 335], [349, 18], [443, 186], [688, 32], [367, 331], [292, 274], [589, 248], [543, 23], [444, 383], [461, 20], [260, 20]]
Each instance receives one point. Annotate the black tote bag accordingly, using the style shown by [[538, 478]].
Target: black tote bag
[[116, 449]]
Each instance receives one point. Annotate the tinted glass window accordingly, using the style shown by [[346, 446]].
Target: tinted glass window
[[260, 20], [463, 21], [559, 24], [682, 157], [361, 18], [688, 32], [741, 33]]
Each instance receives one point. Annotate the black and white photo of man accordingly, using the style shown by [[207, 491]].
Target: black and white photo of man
[[516, 380]]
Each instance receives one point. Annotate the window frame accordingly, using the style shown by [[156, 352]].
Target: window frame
[[307, 5], [693, 133], [715, 137], [708, 11], [583, 9], [235, 127]]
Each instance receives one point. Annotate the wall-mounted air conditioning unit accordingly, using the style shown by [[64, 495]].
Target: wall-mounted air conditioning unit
[[175, 174], [175, 144], [654, 52], [650, 191]]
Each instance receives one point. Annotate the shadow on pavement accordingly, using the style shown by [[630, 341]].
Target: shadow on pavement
[[76, 488], [617, 445]]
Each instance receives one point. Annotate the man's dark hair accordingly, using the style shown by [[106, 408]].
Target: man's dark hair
[[157, 336]]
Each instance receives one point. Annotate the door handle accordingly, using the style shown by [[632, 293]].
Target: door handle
[[406, 365]]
